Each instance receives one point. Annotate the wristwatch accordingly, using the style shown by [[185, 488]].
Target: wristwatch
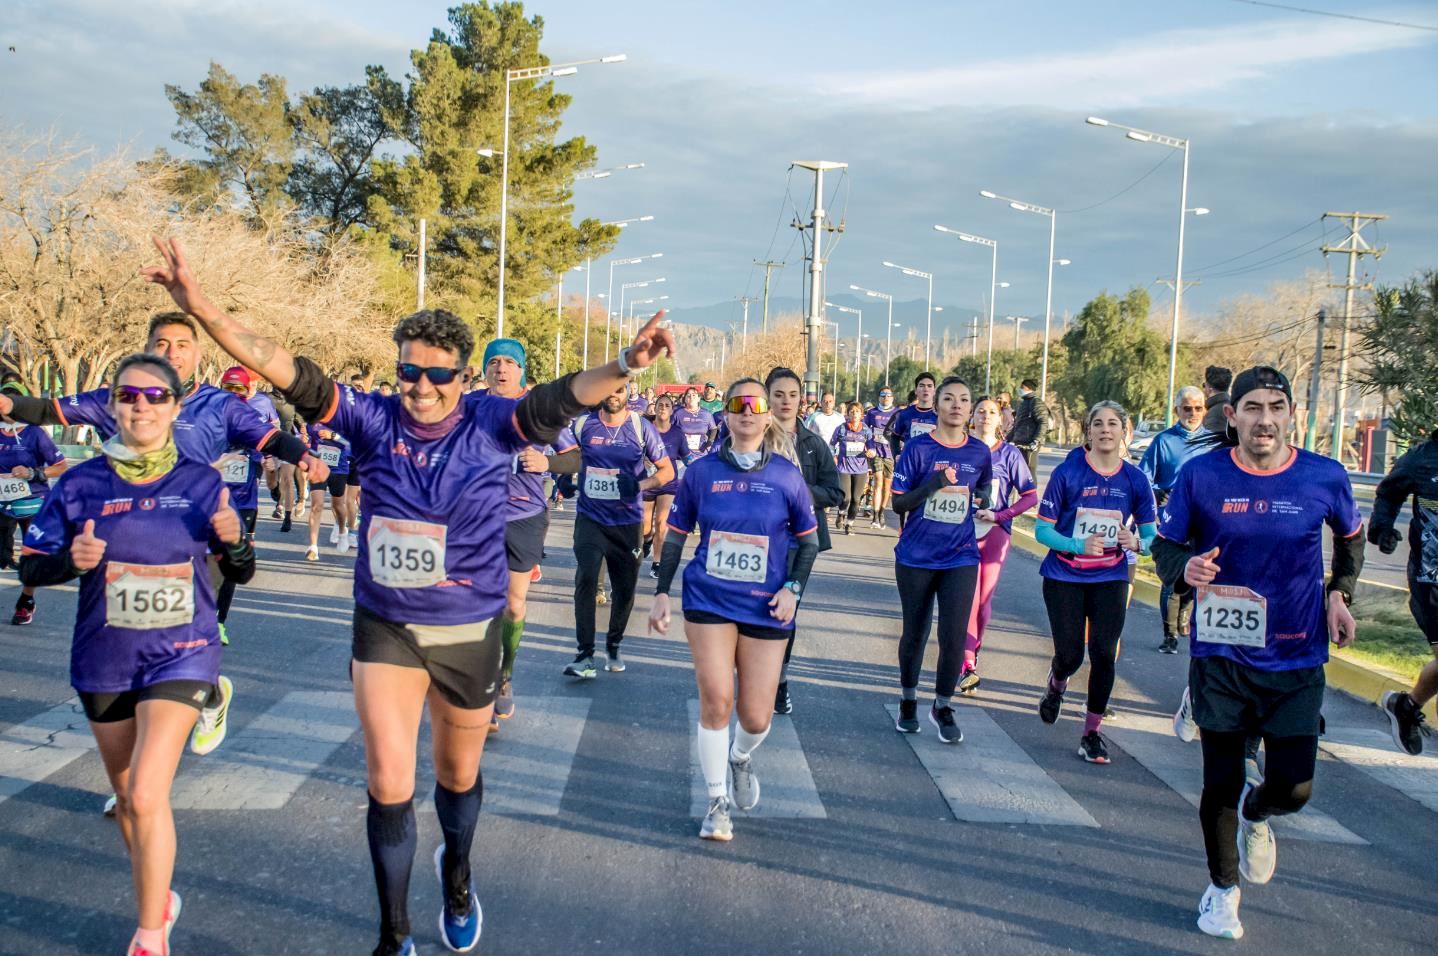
[[624, 368], [795, 587]]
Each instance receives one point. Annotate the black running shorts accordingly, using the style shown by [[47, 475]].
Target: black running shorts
[[1229, 697], [1423, 602], [462, 660], [756, 631], [524, 540], [113, 708], [334, 485]]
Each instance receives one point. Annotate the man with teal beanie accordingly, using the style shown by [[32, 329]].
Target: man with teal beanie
[[528, 519]]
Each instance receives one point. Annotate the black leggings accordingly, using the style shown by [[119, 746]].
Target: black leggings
[[918, 587], [617, 547], [1093, 610], [1287, 785], [853, 486], [226, 594]]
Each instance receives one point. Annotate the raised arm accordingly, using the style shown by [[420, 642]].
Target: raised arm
[[249, 348]]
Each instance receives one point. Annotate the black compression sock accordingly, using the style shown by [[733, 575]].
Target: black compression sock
[[392, 841], [458, 814]]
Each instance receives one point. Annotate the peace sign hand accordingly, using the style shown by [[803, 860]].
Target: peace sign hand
[[176, 277]]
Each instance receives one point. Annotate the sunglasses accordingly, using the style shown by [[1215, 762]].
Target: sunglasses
[[154, 395], [757, 404], [236, 389], [409, 373]]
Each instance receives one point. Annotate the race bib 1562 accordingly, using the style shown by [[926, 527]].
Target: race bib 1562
[[149, 596]]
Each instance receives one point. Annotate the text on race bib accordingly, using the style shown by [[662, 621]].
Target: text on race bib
[[602, 484], [1103, 522], [149, 596], [330, 455], [13, 489], [1228, 614], [920, 428], [406, 554], [234, 468], [737, 557], [693, 441], [949, 505], [853, 449]]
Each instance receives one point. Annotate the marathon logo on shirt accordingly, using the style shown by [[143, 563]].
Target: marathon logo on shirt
[[1094, 491], [400, 448], [117, 506], [962, 466], [1235, 506], [169, 501], [721, 486]]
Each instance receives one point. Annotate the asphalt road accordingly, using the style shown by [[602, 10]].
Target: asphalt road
[[866, 842]]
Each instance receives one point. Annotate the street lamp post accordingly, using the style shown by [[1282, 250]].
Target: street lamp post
[[634, 302], [858, 340], [994, 286], [889, 332], [623, 289], [589, 267], [929, 314], [1172, 142], [609, 298], [1022, 206], [525, 73]]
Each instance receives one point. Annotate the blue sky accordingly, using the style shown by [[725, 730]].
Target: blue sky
[[1289, 114]]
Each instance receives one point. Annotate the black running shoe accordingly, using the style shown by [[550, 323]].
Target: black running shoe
[[1050, 705], [286, 525], [908, 722], [24, 610], [1406, 720], [783, 703], [943, 719], [1092, 748], [1169, 645]]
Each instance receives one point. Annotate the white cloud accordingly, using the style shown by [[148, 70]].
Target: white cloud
[[1136, 71]]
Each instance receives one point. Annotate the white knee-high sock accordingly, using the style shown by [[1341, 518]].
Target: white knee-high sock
[[745, 743], [714, 760]]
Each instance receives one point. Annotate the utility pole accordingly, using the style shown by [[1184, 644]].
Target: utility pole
[[420, 306], [1315, 381], [746, 299], [769, 267], [1353, 247], [815, 318]]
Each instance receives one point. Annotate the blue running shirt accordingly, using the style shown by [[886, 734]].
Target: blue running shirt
[[941, 534], [1080, 500], [612, 461]]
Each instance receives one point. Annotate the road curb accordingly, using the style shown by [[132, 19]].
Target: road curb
[[1362, 681]]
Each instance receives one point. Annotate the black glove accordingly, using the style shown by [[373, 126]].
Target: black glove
[[1387, 539]]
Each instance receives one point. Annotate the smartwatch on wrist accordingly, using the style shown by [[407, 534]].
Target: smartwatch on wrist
[[622, 359], [794, 587]]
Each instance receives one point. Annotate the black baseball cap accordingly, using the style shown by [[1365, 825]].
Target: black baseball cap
[[1260, 376]]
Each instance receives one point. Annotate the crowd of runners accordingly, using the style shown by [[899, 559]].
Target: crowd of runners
[[460, 466]]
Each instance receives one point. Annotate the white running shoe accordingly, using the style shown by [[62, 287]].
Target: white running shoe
[[1257, 848], [334, 534], [110, 805], [1183, 726], [1218, 912], [717, 825], [212, 726], [343, 546], [746, 783], [312, 553]]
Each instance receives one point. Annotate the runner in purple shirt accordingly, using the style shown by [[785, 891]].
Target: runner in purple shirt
[[657, 501], [431, 576], [635, 401], [853, 444], [28, 461], [882, 464], [136, 526], [698, 426]]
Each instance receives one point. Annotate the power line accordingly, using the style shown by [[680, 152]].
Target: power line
[[1213, 265], [1339, 16], [1166, 158], [1277, 259]]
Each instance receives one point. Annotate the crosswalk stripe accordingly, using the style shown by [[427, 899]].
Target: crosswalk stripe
[[786, 784], [991, 779], [527, 764], [1373, 752], [261, 765], [1149, 739], [42, 745]]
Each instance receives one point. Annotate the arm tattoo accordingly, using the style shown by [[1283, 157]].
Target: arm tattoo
[[260, 348]]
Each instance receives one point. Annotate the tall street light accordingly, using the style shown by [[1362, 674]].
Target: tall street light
[[1022, 206], [634, 302], [858, 340], [889, 332], [589, 267], [929, 314], [609, 299], [1172, 142], [525, 73], [993, 289], [606, 173], [623, 290]]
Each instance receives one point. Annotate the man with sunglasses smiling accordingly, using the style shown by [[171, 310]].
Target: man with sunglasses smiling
[[431, 574]]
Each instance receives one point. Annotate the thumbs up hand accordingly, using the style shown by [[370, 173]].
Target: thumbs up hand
[[1201, 569], [226, 521], [86, 550]]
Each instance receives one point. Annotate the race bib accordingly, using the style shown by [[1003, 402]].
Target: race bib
[[330, 455], [693, 441], [13, 489], [1227, 614], [981, 527], [149, 596], [602, 484], [949, 504], [853, 449], [406, 554], [1104, 522], [737, 557], [235, 468], [920, 428], [679, 468]]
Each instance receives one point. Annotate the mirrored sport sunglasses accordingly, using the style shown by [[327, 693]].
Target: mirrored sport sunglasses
[[409, 373], [235, 389], [154, 395], [757, 404]]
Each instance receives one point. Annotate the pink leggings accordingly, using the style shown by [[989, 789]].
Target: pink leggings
[[993, 548]]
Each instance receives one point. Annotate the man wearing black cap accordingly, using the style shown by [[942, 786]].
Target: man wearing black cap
[[1243, 529]]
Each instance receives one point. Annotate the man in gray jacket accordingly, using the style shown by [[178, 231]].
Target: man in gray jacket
[[1031, 423]]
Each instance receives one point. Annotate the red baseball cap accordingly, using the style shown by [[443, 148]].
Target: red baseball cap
[[236, 375]]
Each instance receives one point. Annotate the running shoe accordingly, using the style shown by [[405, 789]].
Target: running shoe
[[1218, 912], [1257, 848], [582, 667], [460, 918], [654, 570], [647, 548], [172, 913], [1092, 748], [277, 512], [559, 506], [111, 805], [24, 610], [334, 534], [504, 704], [287, 524], [212, 726], [600, 597], [717, 825], [300, 511], [613, 662], [875, 524], [536, 575], [783, 703], [224, 635], [390, 947], [1252, 772], [1184, 727], [746, 783], [1051, 704], [969, 682], [312, 553], [943, 719], [1406, 720], [1169, 645], [908, 722]]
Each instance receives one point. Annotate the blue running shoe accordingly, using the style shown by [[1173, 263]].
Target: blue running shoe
[[391, 948], [461, 918]]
